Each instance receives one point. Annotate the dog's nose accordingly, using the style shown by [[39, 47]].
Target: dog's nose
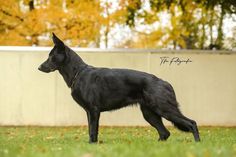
[[40, 68]]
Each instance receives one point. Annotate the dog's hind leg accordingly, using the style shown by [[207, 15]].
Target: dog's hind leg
[[155, 120]]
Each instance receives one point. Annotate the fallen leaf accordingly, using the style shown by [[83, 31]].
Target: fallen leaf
[[87, 155]]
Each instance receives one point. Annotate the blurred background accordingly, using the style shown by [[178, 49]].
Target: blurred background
[[131, 34], [162, 24]]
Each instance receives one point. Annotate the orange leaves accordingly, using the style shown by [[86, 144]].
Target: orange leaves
[[86, 23], [34, 23], [78, 21]]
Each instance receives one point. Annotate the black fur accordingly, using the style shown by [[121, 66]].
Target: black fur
[[104, 89]]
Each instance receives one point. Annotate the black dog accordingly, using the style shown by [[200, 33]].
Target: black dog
[[103, 89]]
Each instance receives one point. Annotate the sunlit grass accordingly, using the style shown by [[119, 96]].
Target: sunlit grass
[[114, 142]]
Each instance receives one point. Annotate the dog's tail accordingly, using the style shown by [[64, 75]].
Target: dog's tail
[[181, 127], [178, 124], [174, 105]]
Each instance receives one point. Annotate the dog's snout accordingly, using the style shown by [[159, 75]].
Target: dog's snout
[[43, 68], [40, 68]]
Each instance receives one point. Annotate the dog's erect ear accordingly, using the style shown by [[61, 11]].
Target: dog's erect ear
[[57, 41]]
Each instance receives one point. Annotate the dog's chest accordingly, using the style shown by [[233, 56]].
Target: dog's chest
[[79, 99]]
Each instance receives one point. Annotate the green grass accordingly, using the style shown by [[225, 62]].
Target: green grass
[[114, 142]]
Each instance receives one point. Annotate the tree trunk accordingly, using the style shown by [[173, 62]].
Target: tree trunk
[[202, 41], [219, 40], [106, 35], [31, 5], [211, 25], [174, 43], [34, 38], [107, 26]]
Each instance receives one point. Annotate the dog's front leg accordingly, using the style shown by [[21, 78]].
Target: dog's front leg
[[93, 124]]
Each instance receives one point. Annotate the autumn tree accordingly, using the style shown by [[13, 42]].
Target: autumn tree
[[30, 22], [191, 23], [175, 24]]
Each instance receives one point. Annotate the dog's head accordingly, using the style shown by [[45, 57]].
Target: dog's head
[[56, 58]]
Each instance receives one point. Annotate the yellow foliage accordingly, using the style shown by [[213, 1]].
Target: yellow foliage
[[86, 22], [79, 21]]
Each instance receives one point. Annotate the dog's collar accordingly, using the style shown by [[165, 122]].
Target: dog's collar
[[74, 78]]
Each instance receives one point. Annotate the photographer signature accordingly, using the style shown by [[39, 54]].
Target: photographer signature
[[174, 60]]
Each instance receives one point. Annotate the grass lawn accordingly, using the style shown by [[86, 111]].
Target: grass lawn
[[114, 142]]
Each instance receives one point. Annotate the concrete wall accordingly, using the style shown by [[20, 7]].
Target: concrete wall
[[205, 88]]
